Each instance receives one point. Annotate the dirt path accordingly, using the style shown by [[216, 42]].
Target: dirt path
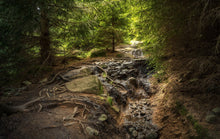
[[121, 110]]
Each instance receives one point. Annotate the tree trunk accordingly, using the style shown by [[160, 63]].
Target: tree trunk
[[113, 42], [45, 50], [113, 34]]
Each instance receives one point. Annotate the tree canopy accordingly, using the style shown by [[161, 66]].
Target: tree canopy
[[39, 29]]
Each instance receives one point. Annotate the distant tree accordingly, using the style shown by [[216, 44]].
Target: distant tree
[[111, 22]]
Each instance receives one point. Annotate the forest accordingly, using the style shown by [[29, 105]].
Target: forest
[[110, 68]]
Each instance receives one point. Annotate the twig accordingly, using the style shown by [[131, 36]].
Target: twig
[[40, 107]]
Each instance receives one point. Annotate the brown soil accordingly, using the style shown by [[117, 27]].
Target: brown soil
[[49, 123], [191, 89]]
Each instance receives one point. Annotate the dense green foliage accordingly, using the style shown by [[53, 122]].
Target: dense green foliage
[[41, 29], [177, 28]]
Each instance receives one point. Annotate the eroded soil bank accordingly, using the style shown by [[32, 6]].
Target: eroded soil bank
[[107, 98]]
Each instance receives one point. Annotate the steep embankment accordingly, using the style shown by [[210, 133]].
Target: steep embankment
[[188, 97]]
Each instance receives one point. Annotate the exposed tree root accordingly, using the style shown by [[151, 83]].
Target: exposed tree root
[[40, 108], [21, 108]]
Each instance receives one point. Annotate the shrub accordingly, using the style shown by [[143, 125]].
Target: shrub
[[98, 53]]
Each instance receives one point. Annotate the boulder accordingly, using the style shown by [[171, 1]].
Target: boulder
[[90, 84], [77, 73]]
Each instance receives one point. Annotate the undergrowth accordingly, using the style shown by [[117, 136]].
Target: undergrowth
[[202, 133], [98, 53]]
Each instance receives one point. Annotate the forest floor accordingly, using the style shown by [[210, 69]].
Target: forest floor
[[130, 103]]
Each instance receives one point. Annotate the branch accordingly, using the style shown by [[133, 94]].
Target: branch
[[109, 78]]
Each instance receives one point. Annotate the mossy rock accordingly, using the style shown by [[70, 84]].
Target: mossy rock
[[90, 84], [211, 118], [77, 73]]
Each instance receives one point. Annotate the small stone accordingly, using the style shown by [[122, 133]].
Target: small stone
[[116, 108], [92, 131], [142, 114], [152, 135], [103, 95], [27, 83], [216, 110], [132, 82], [44, 80], [211, 118], [134, 133], [103, 117], [140, 136], [131, 129]]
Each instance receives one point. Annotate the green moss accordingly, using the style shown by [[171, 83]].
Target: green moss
[[181, 108], [101, 89], [98, 53], [160, 75], [119, 55], [109, 100], [202, 133], [104, 75]]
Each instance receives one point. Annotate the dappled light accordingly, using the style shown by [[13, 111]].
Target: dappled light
[[138, 69]]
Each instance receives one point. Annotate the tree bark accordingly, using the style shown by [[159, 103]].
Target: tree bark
[[113, 34], [45, 49], [113, 42]]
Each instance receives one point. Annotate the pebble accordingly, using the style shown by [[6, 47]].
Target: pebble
[[91, 131], [216, 110], [131, 129], [134, 133], [103, 117], [152, 135], [27, 83]]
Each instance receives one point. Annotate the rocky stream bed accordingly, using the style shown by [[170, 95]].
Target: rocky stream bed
[[109, 99]]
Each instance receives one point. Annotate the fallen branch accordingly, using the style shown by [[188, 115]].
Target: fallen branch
[[109, 78]]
